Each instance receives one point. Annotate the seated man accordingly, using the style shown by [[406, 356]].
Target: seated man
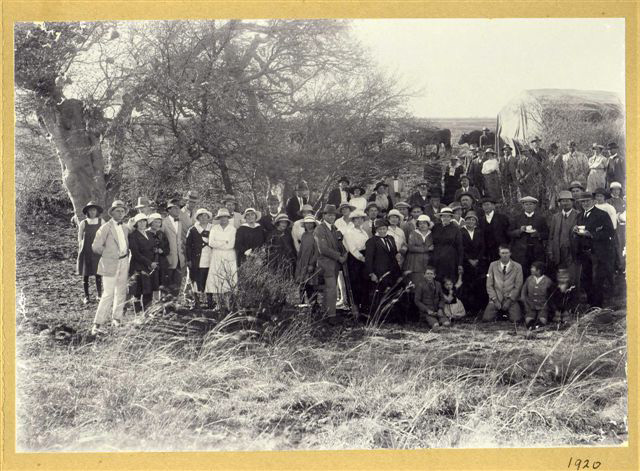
[[504, 282], [429, 300]]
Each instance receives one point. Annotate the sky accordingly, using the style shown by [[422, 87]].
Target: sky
[[472, 67]]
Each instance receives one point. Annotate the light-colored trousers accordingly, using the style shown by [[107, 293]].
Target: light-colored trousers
[[114, 294]]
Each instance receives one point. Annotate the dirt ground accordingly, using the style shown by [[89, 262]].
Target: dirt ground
[[311, 387]]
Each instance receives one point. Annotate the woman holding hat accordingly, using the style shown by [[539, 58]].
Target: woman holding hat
[[358, 201], [447, 246], [597, 177], [281, 254], [87, 263], [159, 276], [223, 265], [306, 265], [250, 235], [419, 249], [198, 254], [141, 265], [381, 198]]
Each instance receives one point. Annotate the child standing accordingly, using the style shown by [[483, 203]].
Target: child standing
[[564, 299], [452, 305], [429, 299], [87, 259], [535, 296]]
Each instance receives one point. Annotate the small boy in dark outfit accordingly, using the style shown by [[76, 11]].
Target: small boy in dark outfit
[[564, 298], [535, 296], [428, 298]]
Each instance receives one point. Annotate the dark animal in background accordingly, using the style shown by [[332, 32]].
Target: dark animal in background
[[473, 137], [422, 137]]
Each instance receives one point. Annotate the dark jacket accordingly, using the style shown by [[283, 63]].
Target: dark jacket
[[266, 221], [429, 297], [380, 260], [495, 234], [563, 301], [335, 198], [194, 245], [328, 249], [473, 249], [417, 199], [599, 224], [472, 190], [523, 243], [293, 208], [141, 252]]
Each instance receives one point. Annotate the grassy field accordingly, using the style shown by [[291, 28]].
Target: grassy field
[[310, 386]]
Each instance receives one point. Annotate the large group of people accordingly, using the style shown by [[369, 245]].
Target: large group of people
[[452, 247]]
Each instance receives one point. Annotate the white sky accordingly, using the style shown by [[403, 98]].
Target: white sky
[[472, 67]]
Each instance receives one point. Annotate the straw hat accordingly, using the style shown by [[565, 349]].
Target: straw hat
[[309, 219], [117, 204], [528, 199], [143, 202], [153, 216], [281, 217], [93, 204], [394, 212], [222, 213], [139, 217], [358, 213], [203, 211]]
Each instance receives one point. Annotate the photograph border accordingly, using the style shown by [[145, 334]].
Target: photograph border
[[610, 458]]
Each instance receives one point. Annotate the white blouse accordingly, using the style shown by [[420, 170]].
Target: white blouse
[[355, 240], [222, 238]]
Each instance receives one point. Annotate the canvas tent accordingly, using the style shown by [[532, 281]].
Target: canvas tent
[[522, 118]]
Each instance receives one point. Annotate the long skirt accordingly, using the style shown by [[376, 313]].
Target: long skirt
[[199, 279], [359, 282], [160, 275], [139, 284], [223, 272]]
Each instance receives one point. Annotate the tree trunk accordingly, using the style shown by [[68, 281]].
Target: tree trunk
[[226, 177], [79, 152]]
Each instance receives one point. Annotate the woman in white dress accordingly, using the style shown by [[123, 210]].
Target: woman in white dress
[[597, 177], [223, 267]]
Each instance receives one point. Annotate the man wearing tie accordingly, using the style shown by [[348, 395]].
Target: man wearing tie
[[111, 243], [296, 202], [504, 282], [528, 231], [381, 264], [340, 195], [594, 234], [329, 257]]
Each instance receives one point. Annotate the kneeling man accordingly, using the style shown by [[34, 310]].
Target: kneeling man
[[504, 282]]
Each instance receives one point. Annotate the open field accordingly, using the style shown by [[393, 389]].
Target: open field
[[309, 387]]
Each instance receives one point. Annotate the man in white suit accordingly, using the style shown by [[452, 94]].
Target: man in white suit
[[111, 243], [175, 227]]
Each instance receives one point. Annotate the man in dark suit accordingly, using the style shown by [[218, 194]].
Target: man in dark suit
[[340, 195], [615, 166], [594, 235], [465, 187], [381, 264], [528, 232], [330, 257], [474, 292], [420, 197], [561, 241], [296, 202], [273, 209], [495, 227]]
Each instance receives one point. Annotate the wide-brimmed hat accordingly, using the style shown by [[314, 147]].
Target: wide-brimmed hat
[[585, 195], [346, 205], [281, 217], [173, 202], [226, 198], [357, 187], [490, 151], [402, 204], [139, 217], [222, 213], [565, 195], [613, 185], [329, 209], [249, 210], [309, 219], [203, 211], [528, 199], [306, 207], [370, 205], [358, 213], [489, 199], [464, 175], [602, 191], [507, 146], [92, 204], [153, 216], [576, 184], [117, 204], [466, 193], [344, 179], [423, 218], [595, 145], [379, 184], [394, 212], [471, 214], [455, 206], [535, 139], [380, 222], [612, 145], [192, 195], [143, 202], [446, 211]]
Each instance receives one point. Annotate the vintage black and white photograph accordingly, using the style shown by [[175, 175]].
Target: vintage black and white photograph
[[320, 234]]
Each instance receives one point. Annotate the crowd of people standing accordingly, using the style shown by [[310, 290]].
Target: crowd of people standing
[[451, 246]]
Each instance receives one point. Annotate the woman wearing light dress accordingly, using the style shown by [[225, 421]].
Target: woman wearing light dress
[[597, 177], [223, 267]]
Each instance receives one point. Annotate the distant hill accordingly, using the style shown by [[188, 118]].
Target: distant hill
[[458, 126]]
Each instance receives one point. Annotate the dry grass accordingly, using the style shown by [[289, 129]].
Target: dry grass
[[357, 388]]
